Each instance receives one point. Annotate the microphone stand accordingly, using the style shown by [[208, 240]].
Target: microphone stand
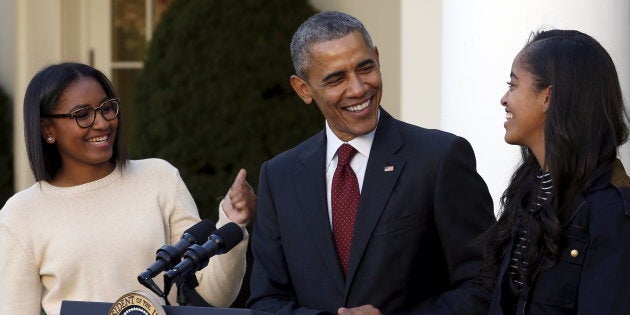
[[185, 284], [148, 282]]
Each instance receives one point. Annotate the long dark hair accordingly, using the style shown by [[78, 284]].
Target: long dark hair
[[584, 126], [42, 96]]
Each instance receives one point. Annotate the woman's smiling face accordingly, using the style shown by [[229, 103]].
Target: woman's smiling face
[[525, 108], [80, 147]]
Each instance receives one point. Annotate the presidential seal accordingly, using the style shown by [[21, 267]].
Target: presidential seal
[[137, 303]]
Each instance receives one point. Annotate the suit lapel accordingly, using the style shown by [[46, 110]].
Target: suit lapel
[[382, 172], [310, 182]]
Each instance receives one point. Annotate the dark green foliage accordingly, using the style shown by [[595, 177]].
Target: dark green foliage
[[214, 95], [6, 148]]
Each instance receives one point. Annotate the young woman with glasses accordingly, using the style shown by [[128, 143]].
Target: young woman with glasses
[[94, 219]]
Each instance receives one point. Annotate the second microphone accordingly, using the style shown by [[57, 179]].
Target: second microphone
[[197, 256]]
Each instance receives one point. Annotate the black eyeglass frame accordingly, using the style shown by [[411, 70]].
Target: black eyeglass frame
[[73, 114]]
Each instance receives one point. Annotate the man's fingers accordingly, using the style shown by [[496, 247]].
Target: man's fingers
[[240, 177]]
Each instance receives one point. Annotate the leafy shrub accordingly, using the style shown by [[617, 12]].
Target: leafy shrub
[[214, 94]]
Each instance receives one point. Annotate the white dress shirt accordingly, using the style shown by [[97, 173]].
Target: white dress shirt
[[363, 145]]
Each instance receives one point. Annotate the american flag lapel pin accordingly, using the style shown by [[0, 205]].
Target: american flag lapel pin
[[389, 168]]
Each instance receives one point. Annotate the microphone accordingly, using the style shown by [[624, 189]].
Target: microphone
[[168, 255], [197, 256]]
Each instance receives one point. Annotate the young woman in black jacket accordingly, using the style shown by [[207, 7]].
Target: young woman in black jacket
[[562, 242]]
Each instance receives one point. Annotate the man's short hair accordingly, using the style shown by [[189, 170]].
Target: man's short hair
[[322, 27]]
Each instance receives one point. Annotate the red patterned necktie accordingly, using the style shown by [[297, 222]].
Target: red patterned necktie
[[345, 199]]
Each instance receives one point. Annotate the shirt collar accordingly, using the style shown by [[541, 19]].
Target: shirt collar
[[362, 144]]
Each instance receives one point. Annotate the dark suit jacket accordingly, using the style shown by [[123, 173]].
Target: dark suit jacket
[[415, 239]]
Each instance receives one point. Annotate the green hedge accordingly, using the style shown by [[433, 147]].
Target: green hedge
[[214, 95], [6, 148]]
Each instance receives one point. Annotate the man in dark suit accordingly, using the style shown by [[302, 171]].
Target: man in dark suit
[[411, 244]]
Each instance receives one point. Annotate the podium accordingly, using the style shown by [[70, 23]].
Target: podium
[[102, 308]]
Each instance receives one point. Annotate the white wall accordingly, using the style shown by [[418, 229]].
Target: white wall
[[421, 67], [480, 40], [7, 45], [38, 43]]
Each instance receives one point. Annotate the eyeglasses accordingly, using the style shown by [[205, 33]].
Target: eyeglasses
[[86, 116]]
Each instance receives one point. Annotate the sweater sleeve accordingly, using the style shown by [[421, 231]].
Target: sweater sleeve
[[20, 290]]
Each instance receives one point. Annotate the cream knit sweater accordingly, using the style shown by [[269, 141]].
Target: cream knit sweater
[[90, 242]]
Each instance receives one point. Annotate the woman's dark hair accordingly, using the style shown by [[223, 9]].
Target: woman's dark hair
[[584, 126], [42, 95]]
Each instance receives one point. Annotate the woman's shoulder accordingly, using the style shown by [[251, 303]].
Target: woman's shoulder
[[609, 190], [23, 202], [608, 210], [150, 167]]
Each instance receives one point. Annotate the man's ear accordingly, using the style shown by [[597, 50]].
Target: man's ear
[[302, 88], [376, 55], [547, 98]]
